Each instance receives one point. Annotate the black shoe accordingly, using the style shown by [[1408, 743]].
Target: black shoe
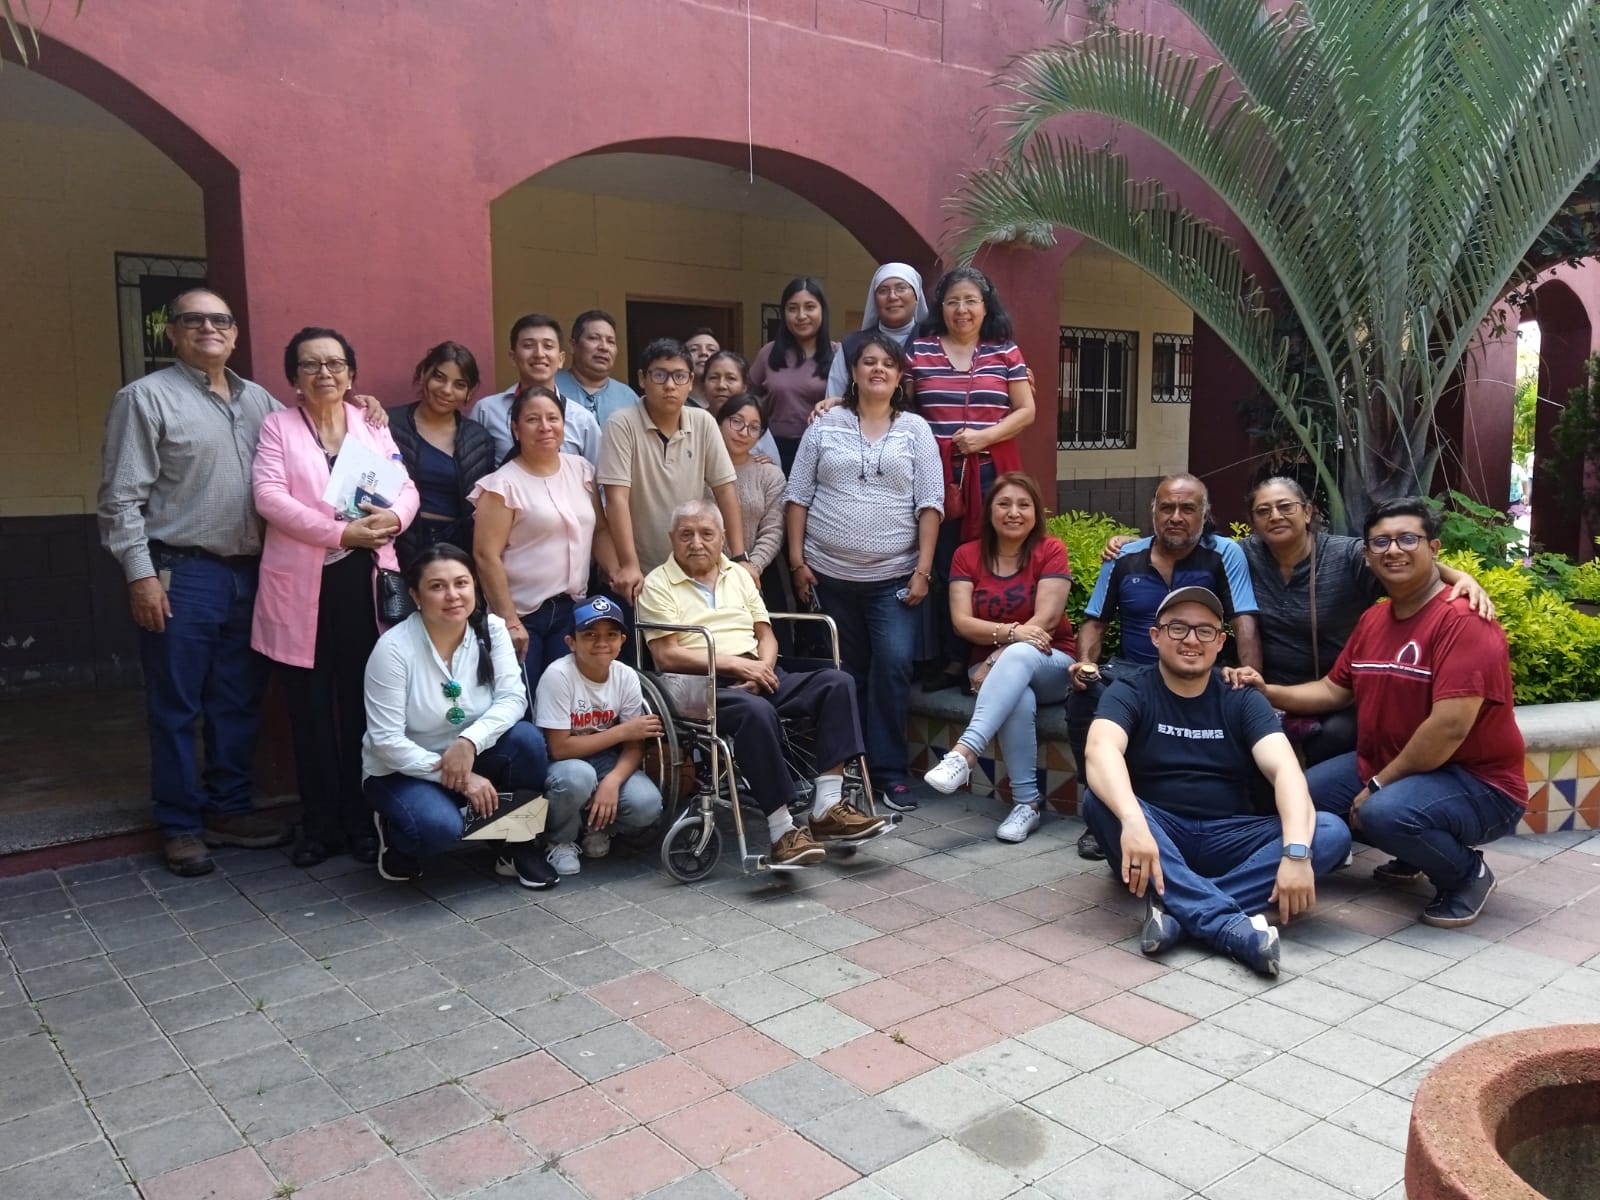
[[946, 679], [364, 849], [394, 865], [1396, 870], [308, 853], [1089, 847], [1160, 931], [900, 797], [1463, 905], [530, 867], [1254, 943]]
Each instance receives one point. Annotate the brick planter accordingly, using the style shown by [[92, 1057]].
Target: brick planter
[[1511, 1117]]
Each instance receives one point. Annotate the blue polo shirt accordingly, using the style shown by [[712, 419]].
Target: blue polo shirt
[[611, 399], [1132, 589]]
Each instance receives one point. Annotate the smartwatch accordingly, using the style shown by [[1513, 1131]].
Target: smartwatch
[[1373, 784], [740, 558], [1298, 851]]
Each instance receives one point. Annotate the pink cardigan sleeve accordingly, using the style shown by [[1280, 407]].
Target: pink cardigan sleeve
[[306, 518]]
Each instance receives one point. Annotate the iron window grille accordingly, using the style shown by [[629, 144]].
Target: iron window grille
[[146, 285], [1099, 392], [1171, 368]]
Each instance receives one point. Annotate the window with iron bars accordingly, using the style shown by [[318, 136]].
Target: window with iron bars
[[1171, 368], [1099, 392]]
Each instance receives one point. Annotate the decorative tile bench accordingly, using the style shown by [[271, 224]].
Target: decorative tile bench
[[1562, 765]]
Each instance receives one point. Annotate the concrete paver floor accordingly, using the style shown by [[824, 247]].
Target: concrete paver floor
[[943, 1015]]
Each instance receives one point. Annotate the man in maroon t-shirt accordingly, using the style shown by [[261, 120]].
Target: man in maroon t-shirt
[[1437, 768]]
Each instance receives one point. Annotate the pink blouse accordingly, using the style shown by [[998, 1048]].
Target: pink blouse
[[552, 529]]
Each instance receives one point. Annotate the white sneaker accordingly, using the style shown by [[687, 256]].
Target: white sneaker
[[564, 858], [1024, 819], [952, 772], [596, 843]]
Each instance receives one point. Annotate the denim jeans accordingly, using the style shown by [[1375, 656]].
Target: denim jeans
[[877, 646], [1008, 704], [548, 627], [1218, 869], [201, 668], [1431, 820], [570, 784], [423, 818]]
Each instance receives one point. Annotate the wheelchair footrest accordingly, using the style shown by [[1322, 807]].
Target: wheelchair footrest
[[760, 862]]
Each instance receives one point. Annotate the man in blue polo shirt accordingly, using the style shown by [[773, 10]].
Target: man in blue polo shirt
[[1130, 591]]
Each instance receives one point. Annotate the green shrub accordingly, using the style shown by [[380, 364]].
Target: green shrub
[[1483, 531], [1555, 650], [1085, 536]]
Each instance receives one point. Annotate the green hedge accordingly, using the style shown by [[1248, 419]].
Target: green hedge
[[1085, 536]]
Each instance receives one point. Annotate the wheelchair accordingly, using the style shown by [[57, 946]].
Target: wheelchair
[[693, 764]]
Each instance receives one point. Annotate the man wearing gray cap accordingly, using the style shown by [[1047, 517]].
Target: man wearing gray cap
[[1171, 758]]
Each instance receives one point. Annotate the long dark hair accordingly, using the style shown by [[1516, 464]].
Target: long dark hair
[[519, 402], [996, 325], [989, 540], [898, 403], [778, 359], [478, 619], [448, 352]]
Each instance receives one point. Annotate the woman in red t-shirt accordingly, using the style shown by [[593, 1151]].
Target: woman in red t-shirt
[[1008, 598]]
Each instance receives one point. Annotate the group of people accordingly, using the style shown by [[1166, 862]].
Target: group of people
[[534, 526]]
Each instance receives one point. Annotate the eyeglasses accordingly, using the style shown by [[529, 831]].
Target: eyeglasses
[[452, 692], [1406, 541], [1283, 508], [894, 289], [1178, 631], [333, 366], [964, 302], [662, 375], [196, 321], [745, 426]]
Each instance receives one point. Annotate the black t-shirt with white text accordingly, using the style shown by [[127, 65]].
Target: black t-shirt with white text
[[1191, 757]]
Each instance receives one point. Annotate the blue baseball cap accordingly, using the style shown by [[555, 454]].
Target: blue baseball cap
[[596, 609]]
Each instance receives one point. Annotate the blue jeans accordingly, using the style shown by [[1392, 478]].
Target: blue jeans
[[1431, 820], [877, 646], [1219, 869], [201, 668], [423, 818], [548, 627], [1008, 704], [570, 784]]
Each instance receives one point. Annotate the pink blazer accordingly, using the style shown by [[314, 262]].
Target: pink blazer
[[290, 473]]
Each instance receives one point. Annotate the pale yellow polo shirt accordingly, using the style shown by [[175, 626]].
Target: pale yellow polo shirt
[[672, 598], [661, 477]]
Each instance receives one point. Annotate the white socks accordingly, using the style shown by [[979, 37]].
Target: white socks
[[830, 789], [779, 823]]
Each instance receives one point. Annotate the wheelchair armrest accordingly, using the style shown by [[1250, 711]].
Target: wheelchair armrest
[[823, 618], [639, 628]]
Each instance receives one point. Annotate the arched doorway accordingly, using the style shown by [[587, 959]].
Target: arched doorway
[[1566, 339]]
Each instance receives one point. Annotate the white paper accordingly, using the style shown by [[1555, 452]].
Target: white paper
[[360, 474]]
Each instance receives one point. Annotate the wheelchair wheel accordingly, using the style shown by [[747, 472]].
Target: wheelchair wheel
[[681, 853], [663, 756]]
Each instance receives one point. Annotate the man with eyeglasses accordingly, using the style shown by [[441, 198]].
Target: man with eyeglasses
[[177, 511], [1171, 755], [537, 354], [1130, 588], [1438, 765], [656, 455]]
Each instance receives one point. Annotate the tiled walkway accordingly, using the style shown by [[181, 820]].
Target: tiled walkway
[[945, 1016]]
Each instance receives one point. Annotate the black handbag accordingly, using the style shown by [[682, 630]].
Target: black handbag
[[394, 597]]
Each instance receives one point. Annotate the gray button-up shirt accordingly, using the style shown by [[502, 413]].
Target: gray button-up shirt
[[176, 467]]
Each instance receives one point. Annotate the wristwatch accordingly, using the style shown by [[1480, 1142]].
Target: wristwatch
[[1298, 851], [740, 558], [1373, 784]]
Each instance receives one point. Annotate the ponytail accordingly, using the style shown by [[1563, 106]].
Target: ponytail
[[479, 621]]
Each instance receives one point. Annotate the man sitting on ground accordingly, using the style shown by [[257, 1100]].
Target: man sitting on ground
[[1438, 764], [699, 585], [1170, 758]]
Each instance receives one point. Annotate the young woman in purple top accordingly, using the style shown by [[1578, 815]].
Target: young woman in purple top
[[792, 370]]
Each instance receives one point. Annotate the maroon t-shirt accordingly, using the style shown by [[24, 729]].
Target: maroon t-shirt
[[1008, 598], [1398, 670]]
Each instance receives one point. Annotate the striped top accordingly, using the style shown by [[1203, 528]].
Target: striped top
[[949, 399]]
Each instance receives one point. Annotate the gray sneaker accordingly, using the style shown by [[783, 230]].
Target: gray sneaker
[[1160, 931], [564, 858], [1022, 820], [1462, 905], [1254, 943]]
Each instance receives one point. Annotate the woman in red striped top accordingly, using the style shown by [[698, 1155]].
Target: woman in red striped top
[[972, 388]]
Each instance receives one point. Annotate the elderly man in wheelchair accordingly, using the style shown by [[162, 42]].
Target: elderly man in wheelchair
[[700, 586]]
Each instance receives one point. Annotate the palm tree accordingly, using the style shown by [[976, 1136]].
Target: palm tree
[[21, 24], [1393, 161]]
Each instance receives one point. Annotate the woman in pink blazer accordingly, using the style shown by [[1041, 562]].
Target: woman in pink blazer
[[316, 612]]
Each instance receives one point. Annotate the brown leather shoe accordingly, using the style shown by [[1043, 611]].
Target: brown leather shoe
[[796, 849], [187, 856], [251, 830], [845, 820]]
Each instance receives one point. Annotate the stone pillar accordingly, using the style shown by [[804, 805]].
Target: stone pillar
[[1474, 419], [1220, 451]]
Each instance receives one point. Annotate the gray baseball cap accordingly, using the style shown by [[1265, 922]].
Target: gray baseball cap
[[1192, 595]]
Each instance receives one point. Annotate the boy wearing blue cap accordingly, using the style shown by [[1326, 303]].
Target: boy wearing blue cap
[[592, 713]]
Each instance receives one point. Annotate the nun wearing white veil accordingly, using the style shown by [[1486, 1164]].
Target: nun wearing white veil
[[895, 305]]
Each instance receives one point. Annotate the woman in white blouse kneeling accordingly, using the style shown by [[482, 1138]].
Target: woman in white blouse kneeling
[[445, 734]]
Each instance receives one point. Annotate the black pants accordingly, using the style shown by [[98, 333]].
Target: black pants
[[826, 698], [327, 707], [1336, 736], [1080, 715]]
